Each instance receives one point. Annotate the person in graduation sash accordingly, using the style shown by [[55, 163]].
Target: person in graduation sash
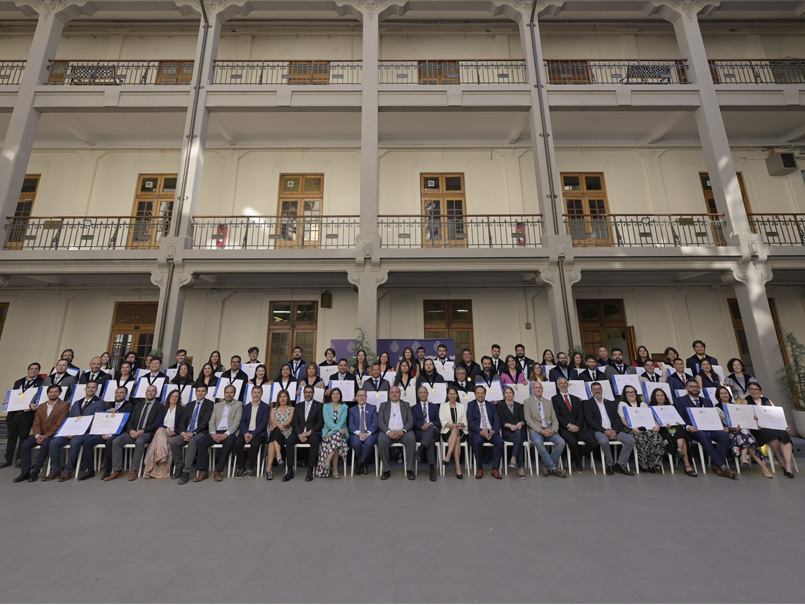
[[488, 372], [153, 376], [453, 417], [361, 367], [778, 440], [650, 374], [376, 382], [95, 373], [260, 377], [311, 378], [429, 376], [68, 355], [158, 458], [462, 383], [707, 376], [495, 362], [538, 374], [385, 363], [126, 374], [467, 363], [404, 376], [525, 363], [235, 373], [297, 364], [512, 373], [591, 373], [207, 378], [121, 405], [47, 420], [183, 376], [285, 378], [19, 422], [60, 377], [617, 365]]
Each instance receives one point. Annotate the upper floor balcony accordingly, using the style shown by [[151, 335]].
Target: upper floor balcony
[[645, 230], [779, 229], [11, 72], [461, 231], [85, 232], [274, 232], [120, 73]]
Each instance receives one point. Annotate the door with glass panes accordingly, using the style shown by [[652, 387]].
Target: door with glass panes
[[291, 324], [300, 205], [19, 224], [450, 319], [712, 209], [132, 330], [443, 199], [153, 208], [586, 209]]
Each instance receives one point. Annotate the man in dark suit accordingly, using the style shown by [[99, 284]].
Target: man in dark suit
[[468, 364], [69, 355], [253, 432], [60, 377], [592, 373], [426, 428], [717, 454], [86, 406], [678, 379], [140, 428], [181, 356], [121, 405], [618, 365], [95, 374], [462, 383], [572, 429], [343, 373], [375, 382], [526, 363], [512, 425], [602, 417], [231, 375], [603, 356], [19, 422], [194, 424], [694, 362], [395, 423], [495, 362], [298, 365], [307, 426], [484, 427], [488, 372], [362, 423], [560, 370]]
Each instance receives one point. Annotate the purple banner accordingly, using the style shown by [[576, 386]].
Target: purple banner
[[395, 346]]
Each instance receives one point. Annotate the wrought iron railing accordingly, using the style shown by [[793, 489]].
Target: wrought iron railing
[[779, 229], [274, 232], [11, 72], [287, 72], [614, 71], [758, 71], [119, 73], [85, 233], [646, 230], [462, 71], [463, 231]]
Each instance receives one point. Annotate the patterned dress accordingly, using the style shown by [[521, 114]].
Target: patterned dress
[[330, 443], [650, 445]]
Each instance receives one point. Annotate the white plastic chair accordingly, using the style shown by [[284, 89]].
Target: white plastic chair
[[352, 465], [380, 463], [443, 450]]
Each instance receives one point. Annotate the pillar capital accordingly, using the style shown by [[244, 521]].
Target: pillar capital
[[670, 10], [372, 9], [220, 9], [63, 9]]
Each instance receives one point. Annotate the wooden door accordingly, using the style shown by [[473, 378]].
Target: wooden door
[[153, 209], [18, 229], [602, 322], [174, 72], [132, 330], [586, 209], [308, 72], [291, 324], [443, 211], [301, 198], [450, 319]]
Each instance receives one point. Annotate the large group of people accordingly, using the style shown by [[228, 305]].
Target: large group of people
[[428, 409]]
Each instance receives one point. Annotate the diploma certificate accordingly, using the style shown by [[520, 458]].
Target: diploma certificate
[[770, 417], [436, 393], [19, 399], [740, 415], [347, 389], [77, 425], [639, 417], [705, 419], [667, 415], [108, 423], [446, 369]]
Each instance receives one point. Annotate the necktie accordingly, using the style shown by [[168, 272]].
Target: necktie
[[194, 418], [84, 405], [144, 416], [567, 403], [425, 411], [363, 419], [377, 384]]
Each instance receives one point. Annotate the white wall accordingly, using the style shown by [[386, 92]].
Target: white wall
[[449, 45], [289, 45]]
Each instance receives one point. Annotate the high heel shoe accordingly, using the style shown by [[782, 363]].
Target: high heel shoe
[[459, 476]]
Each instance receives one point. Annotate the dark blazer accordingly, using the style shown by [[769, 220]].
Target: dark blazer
[[473, 369], [556, 373], [592, 415], [506, 417], [595, 376], [484, 378], [601, 362], [95, 404], [474, 416], [204, 415], [419, 417], [469, 386], [347, 376], [693, 362], [126, 408], [529, 364], [210, 387], [189, 368], [369, 384], [682, 403], [425, 379], [498, 365], [240, 375], [177, 419], [152, 423], [315, 420], [263, 418], [565, 416], [100, 379], [354, 419], [20, 384], [300, 371], [676, 384]]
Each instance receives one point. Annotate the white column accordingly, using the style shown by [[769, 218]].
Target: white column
[[170, 309], [24, 118], [559, 279], [368, 282], [713, 135]]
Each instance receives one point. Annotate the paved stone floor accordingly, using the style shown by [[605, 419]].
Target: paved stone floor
[[359, 540]]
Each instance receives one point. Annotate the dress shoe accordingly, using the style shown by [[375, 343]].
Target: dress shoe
[[65, 477], [87, 475], [309, 476], [545, 471], [385, 475], [717, 470], [411, 476], [623, 470], [201, 477], [559, 472], [252, 472], [132, 475], [496, 473], [22, 477], [578, 469], [365, 468], [288, 476], [479, 473], [114, 475], [217, 476], [432, 473], [459, 476], [610, 470], [185, 478], [105, 475], [34, 476], [359, 470], [176, 474], [788, 474], [51, 477], [5, 463], [730, 474], [239, 472]]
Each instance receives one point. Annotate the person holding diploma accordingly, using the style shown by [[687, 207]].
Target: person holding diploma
[[570, 414], [427, 425], [253, 432], [86, 406], [462, 383], [618, 365], [650, 374], [678, 378], [512, 373], [395, 424], [675, 436], [60, 377], [591, 373], [305, 429], [601, 416], [484, 426], [215, 362], [68, 355], [19, 422], [121, 405], [193, 426], [738, 380], [362, 423], [650, 444], [224, 429], [385, 363], [404, 376], [311, 378], [207, 378], [453, 416], [140, 428], [717, 454], [126, 374], [543, 426], [158, 458], [286, 377], [260, 377], [512, 423], [376, 382], [47, 420], [184, 376], [95, 373], [429, 376], [334, 433], [707, 377], [742, 442], [778, 440], [235, 373]]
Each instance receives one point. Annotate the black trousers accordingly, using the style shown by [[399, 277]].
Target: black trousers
[[19, 425], [314, 439], [578, 452], [241, 457]]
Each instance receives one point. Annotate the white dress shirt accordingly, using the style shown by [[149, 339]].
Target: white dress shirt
[[542, 415], [170, 419], [253, 418], [485, 424], [395, 418], [605, 422], [223, 425]]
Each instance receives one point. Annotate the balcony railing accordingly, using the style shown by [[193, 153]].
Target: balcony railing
[[85, 233], [464, 71], [758, 71], [274, 232], [287, 72], [613, 71], [779, 229], [641, 230], [463, 231], [119, 73], [11, 72]]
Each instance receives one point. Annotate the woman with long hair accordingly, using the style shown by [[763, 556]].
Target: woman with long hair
[[279, 429], [453, 414], [334, 436], [158, 456], [649, 445], [742, 443], [675, 436]]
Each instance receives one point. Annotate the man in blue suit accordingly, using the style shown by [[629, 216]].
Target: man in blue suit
[[678, 379], [298, 365], [87, 406], [484, 425], [717, 454], [362, 422], [121, 405], [426, 428], [253, 431]]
